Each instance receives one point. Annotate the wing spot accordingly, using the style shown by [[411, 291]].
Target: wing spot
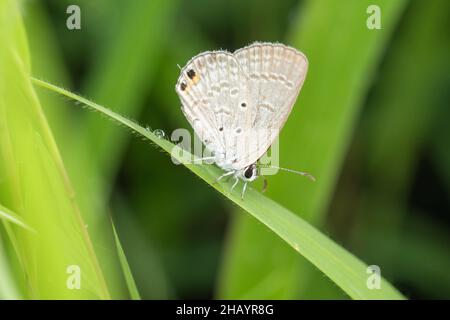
[[274, 77], [255, 59], [193, 76], [223, 111], [224, 85], [234, 70], [215, 88], [183, 86], [266, 106], [265, 76], [234, 91], [243, 105], [200, 63], [222, 60], [211, 59], [238, 130]]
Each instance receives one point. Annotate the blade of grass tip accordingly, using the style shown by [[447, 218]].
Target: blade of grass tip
[[148, 269], [131, 284], [339, 265], [10, 216]]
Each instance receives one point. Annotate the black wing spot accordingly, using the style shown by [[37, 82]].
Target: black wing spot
[[191, 74], [183, 86]]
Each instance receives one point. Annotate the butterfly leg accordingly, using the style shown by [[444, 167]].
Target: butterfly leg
[[223, 176], [228, 178], [202, 159], [243, 190], [236, 180]]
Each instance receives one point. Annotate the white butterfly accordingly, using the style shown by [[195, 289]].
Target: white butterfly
[[238, 102]]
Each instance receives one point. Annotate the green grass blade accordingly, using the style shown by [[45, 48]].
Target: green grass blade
[[340, 266], [122, 70], [8, 288], [35, 184], [139, 40], [146, 262], [10, 216], [48, 63], [131, 284]]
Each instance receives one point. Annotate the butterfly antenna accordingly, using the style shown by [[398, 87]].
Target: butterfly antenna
[[179, 66], [306, 174]]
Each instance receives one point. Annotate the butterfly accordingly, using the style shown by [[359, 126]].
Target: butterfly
[[238, 102]]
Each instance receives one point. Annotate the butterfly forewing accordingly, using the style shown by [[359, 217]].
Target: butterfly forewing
[[210, 87]]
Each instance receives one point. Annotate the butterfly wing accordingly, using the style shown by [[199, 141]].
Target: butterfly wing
[[210, 87], [237, 103], [275, 75]]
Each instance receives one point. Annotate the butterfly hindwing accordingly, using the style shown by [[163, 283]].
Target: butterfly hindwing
[[275, 75]]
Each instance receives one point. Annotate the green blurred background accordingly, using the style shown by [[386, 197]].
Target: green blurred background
[[371, 123]]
